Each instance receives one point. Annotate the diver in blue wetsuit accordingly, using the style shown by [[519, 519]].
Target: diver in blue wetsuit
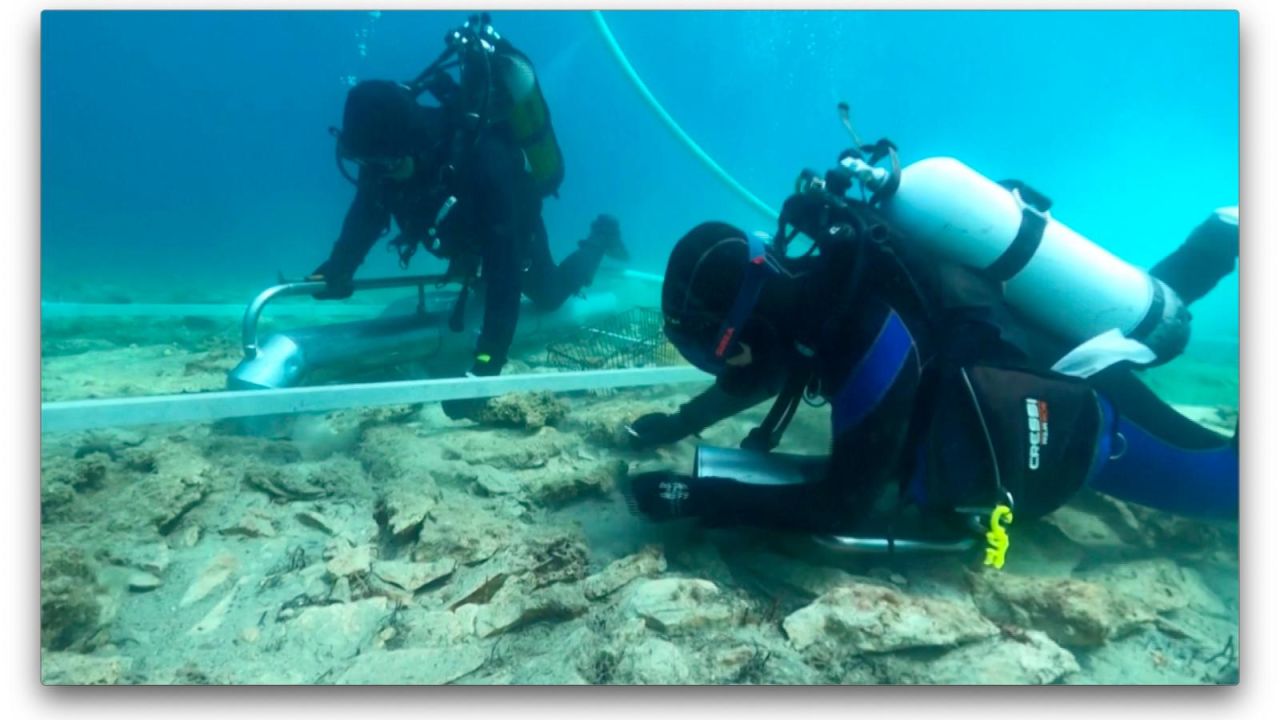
[[943, 397]]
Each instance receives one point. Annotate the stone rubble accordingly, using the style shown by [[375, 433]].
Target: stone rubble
[[399, 547]]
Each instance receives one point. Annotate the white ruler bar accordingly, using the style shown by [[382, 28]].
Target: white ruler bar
[[76, 415]]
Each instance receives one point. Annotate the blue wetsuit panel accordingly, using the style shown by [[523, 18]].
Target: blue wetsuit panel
[[1150, 471], [874, 375]]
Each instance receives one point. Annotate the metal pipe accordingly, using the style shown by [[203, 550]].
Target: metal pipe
[[412, 329], [884, 545], [249, 326]]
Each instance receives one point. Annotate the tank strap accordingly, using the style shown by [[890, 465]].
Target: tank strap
[[1155, 312], [1024, 245], [766, 436]]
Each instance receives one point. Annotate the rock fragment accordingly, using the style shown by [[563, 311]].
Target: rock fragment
[[407, 506], [70, 610], [140, 581], [214, 618], [675, 606], [343, 558], [281, 485], [618, 573], [870, 618], [316, 521], [327, 634], [1072, 612], [217, 571], [523, 410], [655, 661], [253, 524], [67, 668], [1159, 585], [413, 576], [1030, 658], [516, 606], [413, 666]]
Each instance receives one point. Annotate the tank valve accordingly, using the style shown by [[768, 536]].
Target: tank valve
[[872, 177]]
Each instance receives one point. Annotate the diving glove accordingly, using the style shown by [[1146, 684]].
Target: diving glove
[[657, 429], [337, 285], [606, 235]]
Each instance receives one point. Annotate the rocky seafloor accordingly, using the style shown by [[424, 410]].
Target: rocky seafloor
[[393, 545]]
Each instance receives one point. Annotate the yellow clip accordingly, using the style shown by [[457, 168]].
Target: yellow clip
[[483, 358], [998, 537]]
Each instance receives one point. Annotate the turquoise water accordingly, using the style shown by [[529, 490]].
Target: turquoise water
[[187, 152], [186, 159]]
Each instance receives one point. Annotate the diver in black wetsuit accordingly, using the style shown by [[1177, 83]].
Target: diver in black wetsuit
[[463, 188], [937, 389]]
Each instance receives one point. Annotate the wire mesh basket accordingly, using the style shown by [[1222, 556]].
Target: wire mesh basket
[[627, 340]]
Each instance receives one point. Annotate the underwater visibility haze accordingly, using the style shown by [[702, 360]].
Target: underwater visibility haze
[[187, 165]]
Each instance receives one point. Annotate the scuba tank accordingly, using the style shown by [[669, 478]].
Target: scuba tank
[[1054, 276], [529, 119], [497, 86]]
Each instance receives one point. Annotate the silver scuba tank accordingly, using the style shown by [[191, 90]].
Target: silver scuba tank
[[1055, 276]]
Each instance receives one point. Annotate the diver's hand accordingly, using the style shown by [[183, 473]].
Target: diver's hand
[[655, 429], [758, 440], [606, 235], [337, 285]]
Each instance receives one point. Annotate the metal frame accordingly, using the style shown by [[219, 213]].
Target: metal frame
[[252, 313], [881, 545]]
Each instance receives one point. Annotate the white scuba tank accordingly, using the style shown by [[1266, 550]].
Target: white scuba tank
[[1059, 279]]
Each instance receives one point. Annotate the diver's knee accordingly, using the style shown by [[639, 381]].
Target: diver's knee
[[544, 301]]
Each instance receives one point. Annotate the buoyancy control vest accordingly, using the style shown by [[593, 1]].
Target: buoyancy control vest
[[497, 87]]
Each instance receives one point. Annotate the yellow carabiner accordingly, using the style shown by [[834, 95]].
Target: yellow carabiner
[[998, 537]]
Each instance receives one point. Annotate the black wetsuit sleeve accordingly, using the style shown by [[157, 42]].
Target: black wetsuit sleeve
[[505, 211], [365, 222], [715, 404]]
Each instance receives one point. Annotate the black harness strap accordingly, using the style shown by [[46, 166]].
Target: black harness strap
[[1154, 313], [1022, 249], [768, 434], [1035, 208]]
